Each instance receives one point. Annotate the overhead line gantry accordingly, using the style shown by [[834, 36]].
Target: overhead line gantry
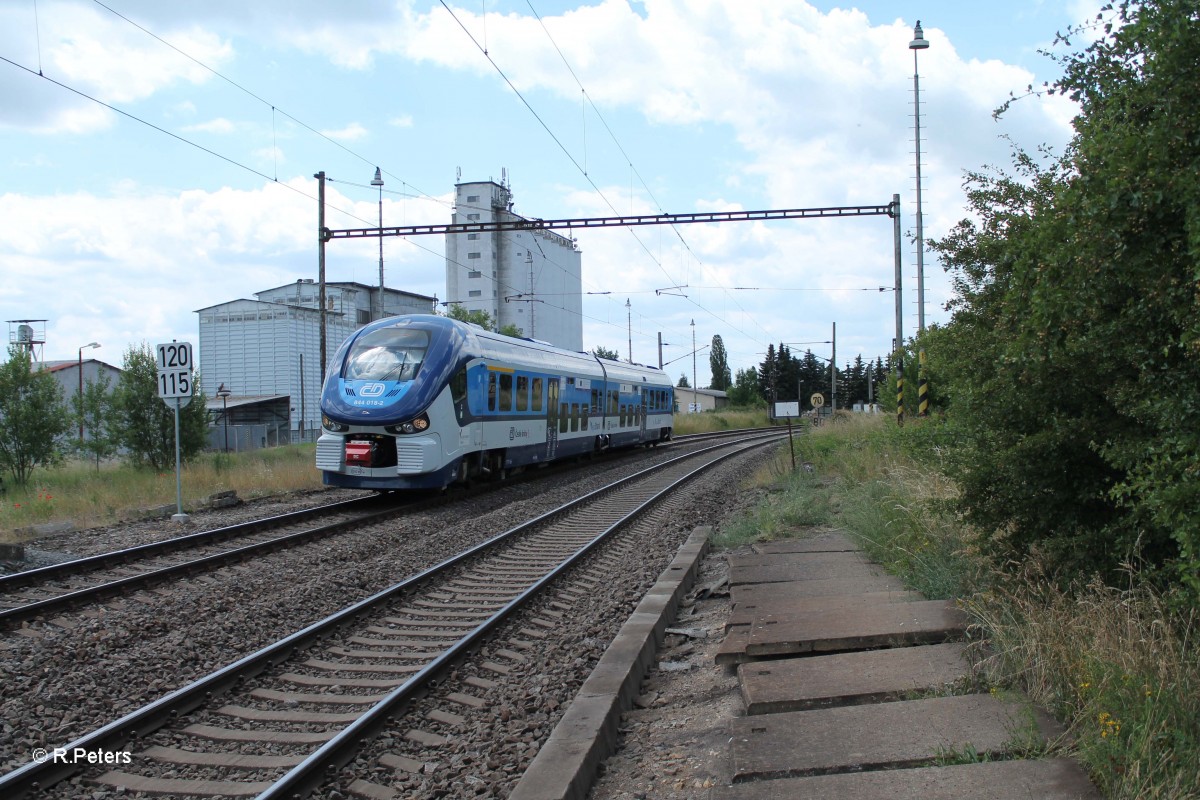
[[892, 209]]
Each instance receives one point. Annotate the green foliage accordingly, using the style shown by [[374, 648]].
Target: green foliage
[[744, 392], [477, 317], [144, 425], [718, 362], [683, 382], [512, 329], [1073, 358], [600, 351], [93, 413], [33, 417]]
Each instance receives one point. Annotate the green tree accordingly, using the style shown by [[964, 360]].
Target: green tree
[[683, 382], [718, 362], [744, 391], [1073, 356], [512, 329], [93, 413], [600, 351], [143, 424], [33, 417], [477, 317]]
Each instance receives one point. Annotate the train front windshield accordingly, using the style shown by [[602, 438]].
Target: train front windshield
[[389, 354]]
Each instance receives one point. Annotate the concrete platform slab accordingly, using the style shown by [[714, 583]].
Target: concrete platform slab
[[829, 542], [733, 647], [802, 558], [897, 624], [764, 592], [874, 676], [791, 607], [1052, 779], [847, 566], [897, 735]]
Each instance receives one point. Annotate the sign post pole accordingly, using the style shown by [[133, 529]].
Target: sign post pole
[[179, 515], [175, 388], [788, 411]]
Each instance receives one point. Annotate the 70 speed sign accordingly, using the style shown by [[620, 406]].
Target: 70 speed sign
[[175, 372]]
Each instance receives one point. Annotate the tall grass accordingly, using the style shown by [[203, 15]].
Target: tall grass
[[1118, 665], [87, 497], [710, 421]]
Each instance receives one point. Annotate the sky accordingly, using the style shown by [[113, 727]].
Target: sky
[[158, 158]]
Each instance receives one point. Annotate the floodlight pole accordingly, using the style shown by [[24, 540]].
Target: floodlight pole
[[917, 44]]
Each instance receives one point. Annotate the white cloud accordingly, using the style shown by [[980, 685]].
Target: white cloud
[[219, 125], [349, 133]]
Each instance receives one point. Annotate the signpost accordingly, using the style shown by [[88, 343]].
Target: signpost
[[175, 388], [788, 411]]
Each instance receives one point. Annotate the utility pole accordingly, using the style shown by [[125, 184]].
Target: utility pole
[[378, 181], [629, 328], [899, 348], [833, 373], [321, 232], [695, 397]]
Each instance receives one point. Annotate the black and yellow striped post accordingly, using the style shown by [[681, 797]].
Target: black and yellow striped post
[[922, 387], [900, 394]]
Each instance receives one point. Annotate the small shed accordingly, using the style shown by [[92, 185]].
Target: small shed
[[691, 401], [237, 424]]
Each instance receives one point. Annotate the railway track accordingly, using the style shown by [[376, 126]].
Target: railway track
[[54, 589], [276, 722], [49, 590]]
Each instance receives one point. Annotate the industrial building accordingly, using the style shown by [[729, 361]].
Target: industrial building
[[530, 279], [265, 353], [260, 359]]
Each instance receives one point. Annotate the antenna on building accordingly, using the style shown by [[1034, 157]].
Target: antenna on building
[[504, 177], [458, 174]]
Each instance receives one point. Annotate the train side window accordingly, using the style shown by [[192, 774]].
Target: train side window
[[537, 395], [612, 401], [622, 415], [562, 418], [595, 400], [522, 393], [491, 391], [574, 416], [458, 385], [506, 382]]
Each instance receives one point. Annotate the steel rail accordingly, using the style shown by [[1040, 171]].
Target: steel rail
[[113, 558], [308, 775], [39, 775]]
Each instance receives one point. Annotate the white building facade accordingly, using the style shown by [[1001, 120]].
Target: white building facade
[[271, 346], [530, 279]]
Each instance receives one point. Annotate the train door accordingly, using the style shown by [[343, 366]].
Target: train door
[[552, 419], [641, 412]]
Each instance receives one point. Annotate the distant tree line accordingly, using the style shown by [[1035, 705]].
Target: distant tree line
[[38, 428]]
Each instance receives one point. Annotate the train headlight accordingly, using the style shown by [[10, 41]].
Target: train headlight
[[416, 425], [335, 427]]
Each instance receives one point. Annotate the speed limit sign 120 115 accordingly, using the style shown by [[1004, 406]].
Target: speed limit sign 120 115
[[175, 372]]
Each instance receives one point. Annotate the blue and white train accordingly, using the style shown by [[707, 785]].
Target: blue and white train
[[422, 401]]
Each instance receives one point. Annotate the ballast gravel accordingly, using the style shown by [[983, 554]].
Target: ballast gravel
[[68, 676]]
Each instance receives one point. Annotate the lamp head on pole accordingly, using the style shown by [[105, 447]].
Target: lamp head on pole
[[378, 179], [918, 42]]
